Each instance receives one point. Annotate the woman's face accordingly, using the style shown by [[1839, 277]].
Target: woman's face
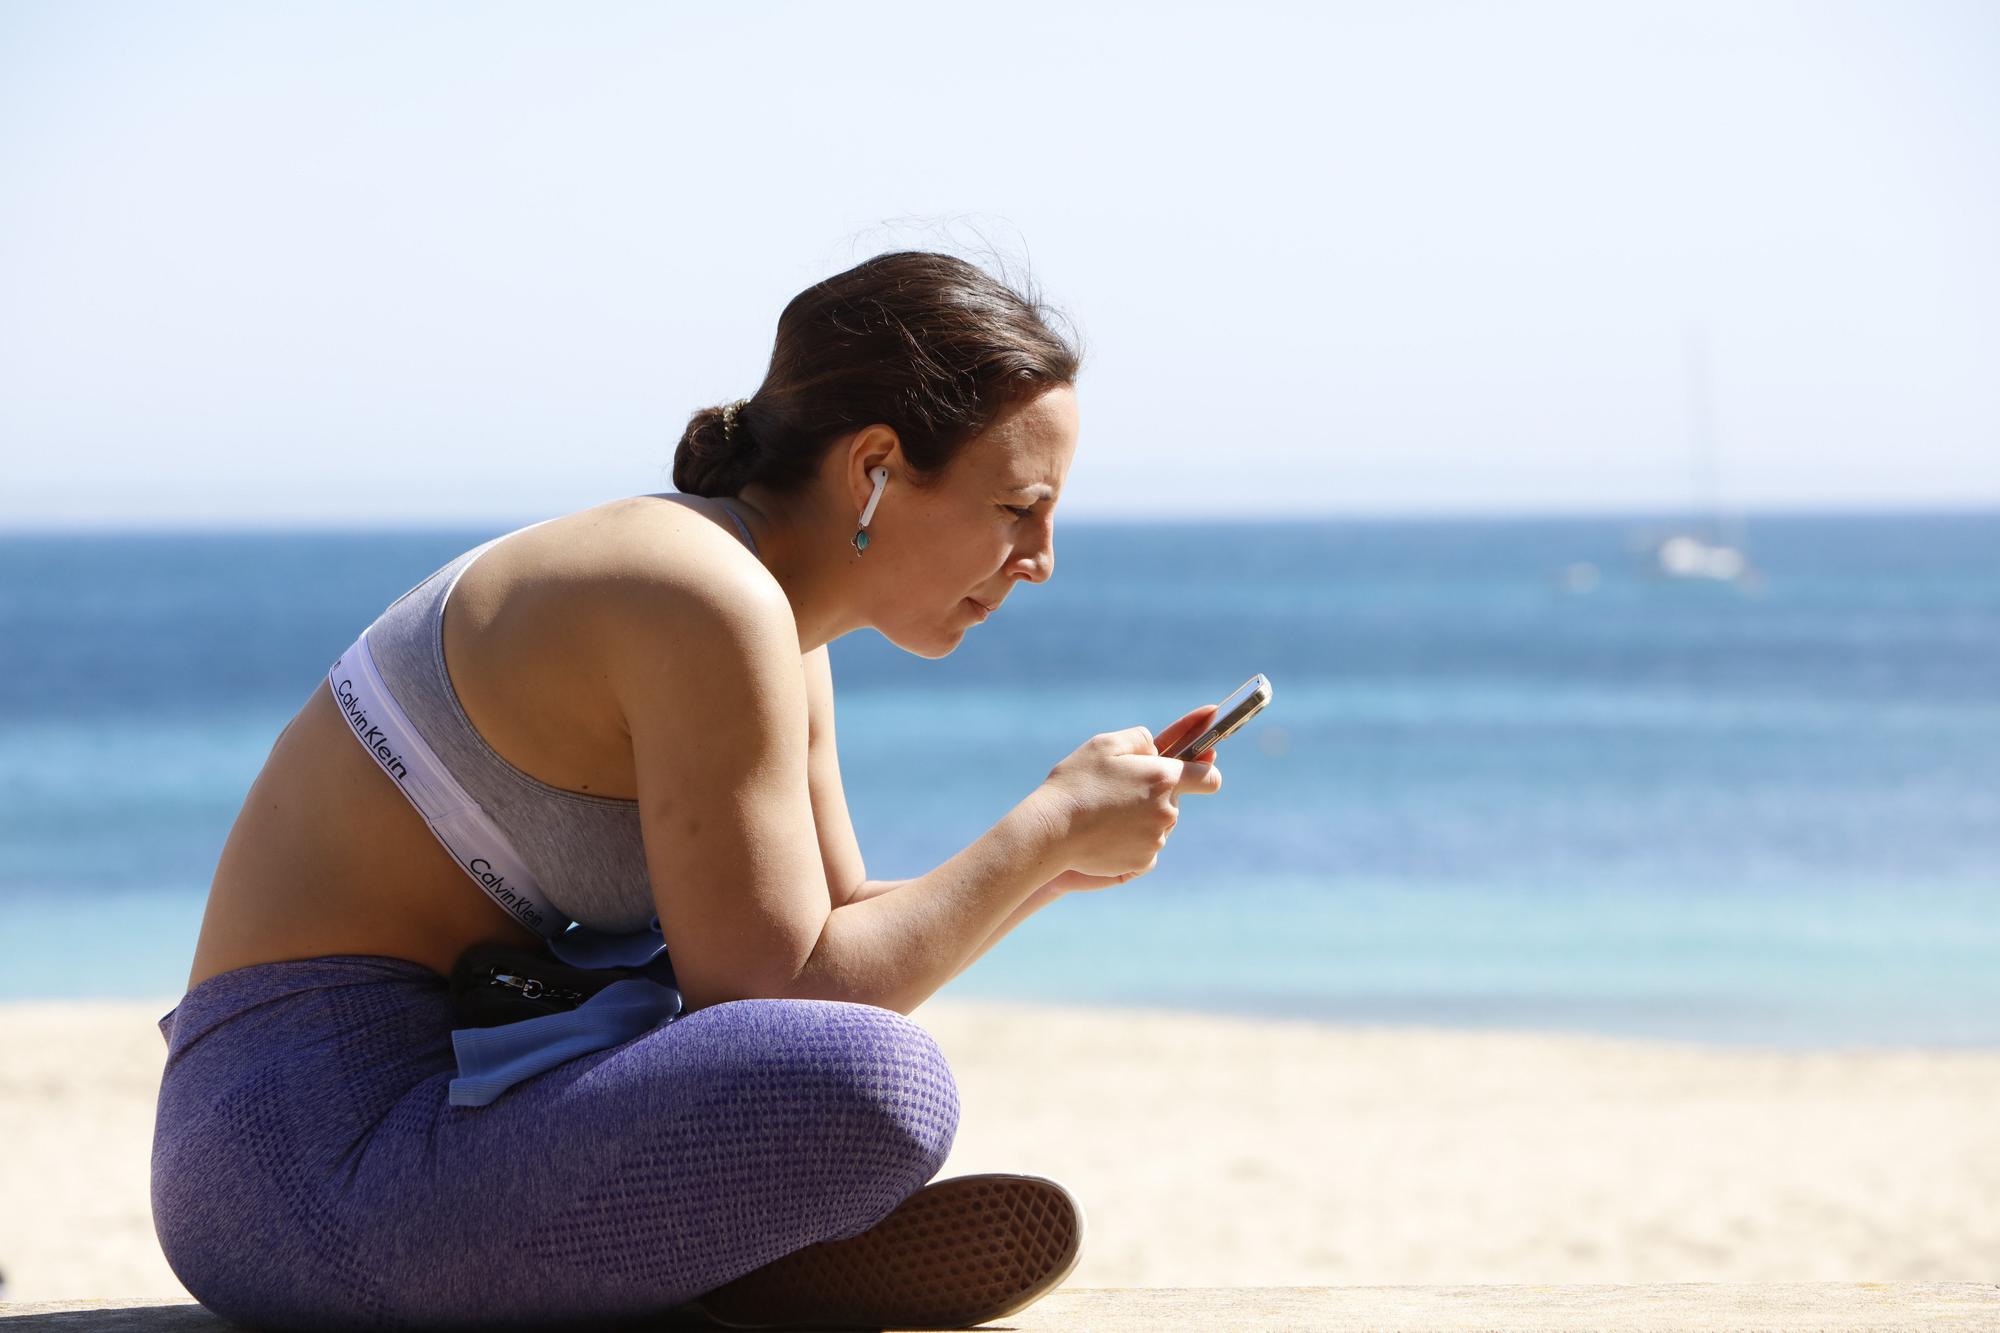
[[985, 527]]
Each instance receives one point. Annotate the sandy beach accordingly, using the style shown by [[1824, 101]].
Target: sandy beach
[[1213, 1151]]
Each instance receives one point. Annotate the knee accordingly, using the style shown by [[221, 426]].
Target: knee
[[865, 1078], [888, 1073]]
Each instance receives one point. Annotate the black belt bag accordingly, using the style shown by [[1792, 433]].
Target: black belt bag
[[493, 984]]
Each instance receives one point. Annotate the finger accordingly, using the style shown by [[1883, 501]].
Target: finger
[[1189, 724], [1194, 717]]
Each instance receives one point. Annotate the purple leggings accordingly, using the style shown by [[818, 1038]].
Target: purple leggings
[[309, 1174]]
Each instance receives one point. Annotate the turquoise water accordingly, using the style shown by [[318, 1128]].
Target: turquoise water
[[1478, 800]]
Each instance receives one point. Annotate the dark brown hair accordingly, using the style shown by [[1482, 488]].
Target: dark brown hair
[[928, 344]]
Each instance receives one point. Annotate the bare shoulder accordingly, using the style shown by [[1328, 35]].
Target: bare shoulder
[[548, 634], [643, 544], [671, 543], [671, 591], [626, 567]]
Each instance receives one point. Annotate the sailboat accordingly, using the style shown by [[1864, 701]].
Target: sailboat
[[1716, 550]]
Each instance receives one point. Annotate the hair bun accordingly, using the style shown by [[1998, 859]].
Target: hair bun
[[715, 454]]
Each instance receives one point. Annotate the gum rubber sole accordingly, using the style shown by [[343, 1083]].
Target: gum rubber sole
[[958, 1252]]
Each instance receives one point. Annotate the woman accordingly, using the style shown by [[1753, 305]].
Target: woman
[[631, 705]]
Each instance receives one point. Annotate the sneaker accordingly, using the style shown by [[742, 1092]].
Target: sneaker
[[958, 1252]]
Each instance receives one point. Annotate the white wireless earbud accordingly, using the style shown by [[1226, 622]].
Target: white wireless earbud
[[881, 475]]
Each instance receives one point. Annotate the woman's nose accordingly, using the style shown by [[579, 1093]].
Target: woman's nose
[[1038, 564]]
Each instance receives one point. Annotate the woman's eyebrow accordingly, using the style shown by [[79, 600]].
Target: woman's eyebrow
[[1041, 490]]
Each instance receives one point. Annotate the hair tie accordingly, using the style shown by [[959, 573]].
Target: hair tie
[[729, 418]]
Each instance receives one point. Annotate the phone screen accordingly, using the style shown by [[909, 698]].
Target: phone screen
[[1244, 703]]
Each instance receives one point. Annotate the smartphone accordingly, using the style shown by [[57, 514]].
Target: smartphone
[[1244, 703]]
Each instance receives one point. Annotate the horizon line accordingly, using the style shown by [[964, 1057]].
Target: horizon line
[[258, 525]]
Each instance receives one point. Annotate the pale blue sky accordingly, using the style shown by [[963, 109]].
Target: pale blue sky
[[476, 263]]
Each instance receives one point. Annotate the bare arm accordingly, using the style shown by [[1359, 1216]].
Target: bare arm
[[1034, 903], [838, 849], [1030, 905], [726, 811], [876, 887], [839, 853], [894, 948]]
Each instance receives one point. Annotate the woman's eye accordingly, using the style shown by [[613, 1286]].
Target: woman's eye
[[1021, 510]]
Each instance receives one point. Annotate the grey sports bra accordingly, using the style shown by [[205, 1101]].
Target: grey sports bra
[[585, 852]]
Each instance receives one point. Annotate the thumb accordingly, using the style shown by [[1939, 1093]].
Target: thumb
[[1200, 777]]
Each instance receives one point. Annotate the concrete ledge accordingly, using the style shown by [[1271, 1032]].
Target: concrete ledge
[[1516, 1309]]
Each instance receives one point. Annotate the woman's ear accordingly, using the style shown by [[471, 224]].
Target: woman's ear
[[869, 448]]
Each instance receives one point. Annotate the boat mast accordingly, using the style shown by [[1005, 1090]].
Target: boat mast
[[1705, 472]]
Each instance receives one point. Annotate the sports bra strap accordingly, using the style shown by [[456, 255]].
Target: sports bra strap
[[466, 831]]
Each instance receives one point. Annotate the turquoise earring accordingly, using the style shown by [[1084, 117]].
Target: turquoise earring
[[881, 476]]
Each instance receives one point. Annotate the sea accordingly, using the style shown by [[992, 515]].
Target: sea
[[1511, 777]]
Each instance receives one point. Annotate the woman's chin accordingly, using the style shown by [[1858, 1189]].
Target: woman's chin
[[936, 642]]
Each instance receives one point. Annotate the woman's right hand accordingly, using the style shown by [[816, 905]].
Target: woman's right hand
[[1117, 797]]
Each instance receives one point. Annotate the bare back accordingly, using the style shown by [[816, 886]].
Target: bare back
[[328, 857]]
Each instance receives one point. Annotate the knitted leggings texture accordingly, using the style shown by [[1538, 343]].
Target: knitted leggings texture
[[309, 1174]]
